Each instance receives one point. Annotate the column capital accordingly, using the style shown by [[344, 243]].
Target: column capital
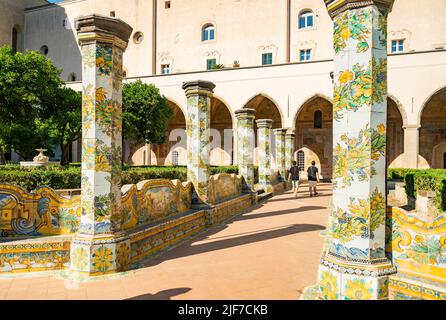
[[264, 123], [97, 27], [412, 126], [290, 132], [245, 113], [282, 131], [198, 87], [335, 7]]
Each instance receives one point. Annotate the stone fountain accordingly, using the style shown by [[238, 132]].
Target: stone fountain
[[40, 160]]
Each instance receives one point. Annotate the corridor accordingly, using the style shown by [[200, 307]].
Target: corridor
[[270, 252]]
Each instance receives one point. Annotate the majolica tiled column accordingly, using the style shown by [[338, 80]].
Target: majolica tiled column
[[100, 246], [355, 265], [264, 153], [280, 151], [245, 144], [198, 95], [289, 148]]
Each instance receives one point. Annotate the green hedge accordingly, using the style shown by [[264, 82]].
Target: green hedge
[[70, 177], [433, 181], [32, 179], [423, 179]]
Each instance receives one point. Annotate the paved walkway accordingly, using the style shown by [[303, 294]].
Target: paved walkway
[[270, 252]]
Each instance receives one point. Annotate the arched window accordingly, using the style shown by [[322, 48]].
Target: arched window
[[301, 160], [318, 119], [208, 32], [15, 39], [175, 158], [72, 77], [306, 19], [44, 50]]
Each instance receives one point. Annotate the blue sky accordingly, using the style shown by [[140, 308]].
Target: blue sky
[[53, 1]]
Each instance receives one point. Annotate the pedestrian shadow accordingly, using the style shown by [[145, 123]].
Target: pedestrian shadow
[[162, 295]]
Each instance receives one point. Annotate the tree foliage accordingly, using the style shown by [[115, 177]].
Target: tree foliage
[[62, 120], [27, 81], [146, 113]]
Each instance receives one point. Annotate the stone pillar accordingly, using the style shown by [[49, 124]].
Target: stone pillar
[[245, 144], [412, 145], [264, 153], [100, 246], [198, 120], [289, 148], [280, 151], [355, 265]]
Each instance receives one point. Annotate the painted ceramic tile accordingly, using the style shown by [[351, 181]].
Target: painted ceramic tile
[[245, 146], [264, 153], [198, 145]]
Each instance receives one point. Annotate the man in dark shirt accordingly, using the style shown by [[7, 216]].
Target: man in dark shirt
[[313, 178], [293, 176]]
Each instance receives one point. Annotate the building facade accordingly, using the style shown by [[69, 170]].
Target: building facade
[[274, 56]]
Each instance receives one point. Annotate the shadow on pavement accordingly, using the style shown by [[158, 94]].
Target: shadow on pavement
[[188, 250], [162, 295]]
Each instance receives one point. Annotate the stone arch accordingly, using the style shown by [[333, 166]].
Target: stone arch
[[222, 120], [395, 133], [315, 142], [308, 100], [175, 141], [400, 107], [433, 128], [439, 156], [260, 102], [426, 102], [266, 108]]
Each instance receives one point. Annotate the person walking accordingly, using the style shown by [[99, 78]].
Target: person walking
[[313, 178], [293, 176]]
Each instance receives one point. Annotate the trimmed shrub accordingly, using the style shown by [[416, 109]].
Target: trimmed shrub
[[423, 179], [432, 181]]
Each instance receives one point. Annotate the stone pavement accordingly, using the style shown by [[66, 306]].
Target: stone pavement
[[269, 252]]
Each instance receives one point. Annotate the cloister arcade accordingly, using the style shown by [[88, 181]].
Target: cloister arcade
[[313, 129]]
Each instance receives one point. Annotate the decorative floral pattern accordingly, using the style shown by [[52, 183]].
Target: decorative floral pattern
[[329, 286], [363, 218], [360, 87], [280, 151], [245, 146], [357, 219], [289, 150], [355, 158], [103, 259], [352, 25], [80, 258], [198, 142], [358, 289], [104, 59], [264, 154]]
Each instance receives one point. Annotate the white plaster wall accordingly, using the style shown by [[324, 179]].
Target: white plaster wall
[[413, 79], [243, 29], [44, 26], [11, 14]]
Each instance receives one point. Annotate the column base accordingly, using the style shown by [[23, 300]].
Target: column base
[[341, 279], [100, 254]]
